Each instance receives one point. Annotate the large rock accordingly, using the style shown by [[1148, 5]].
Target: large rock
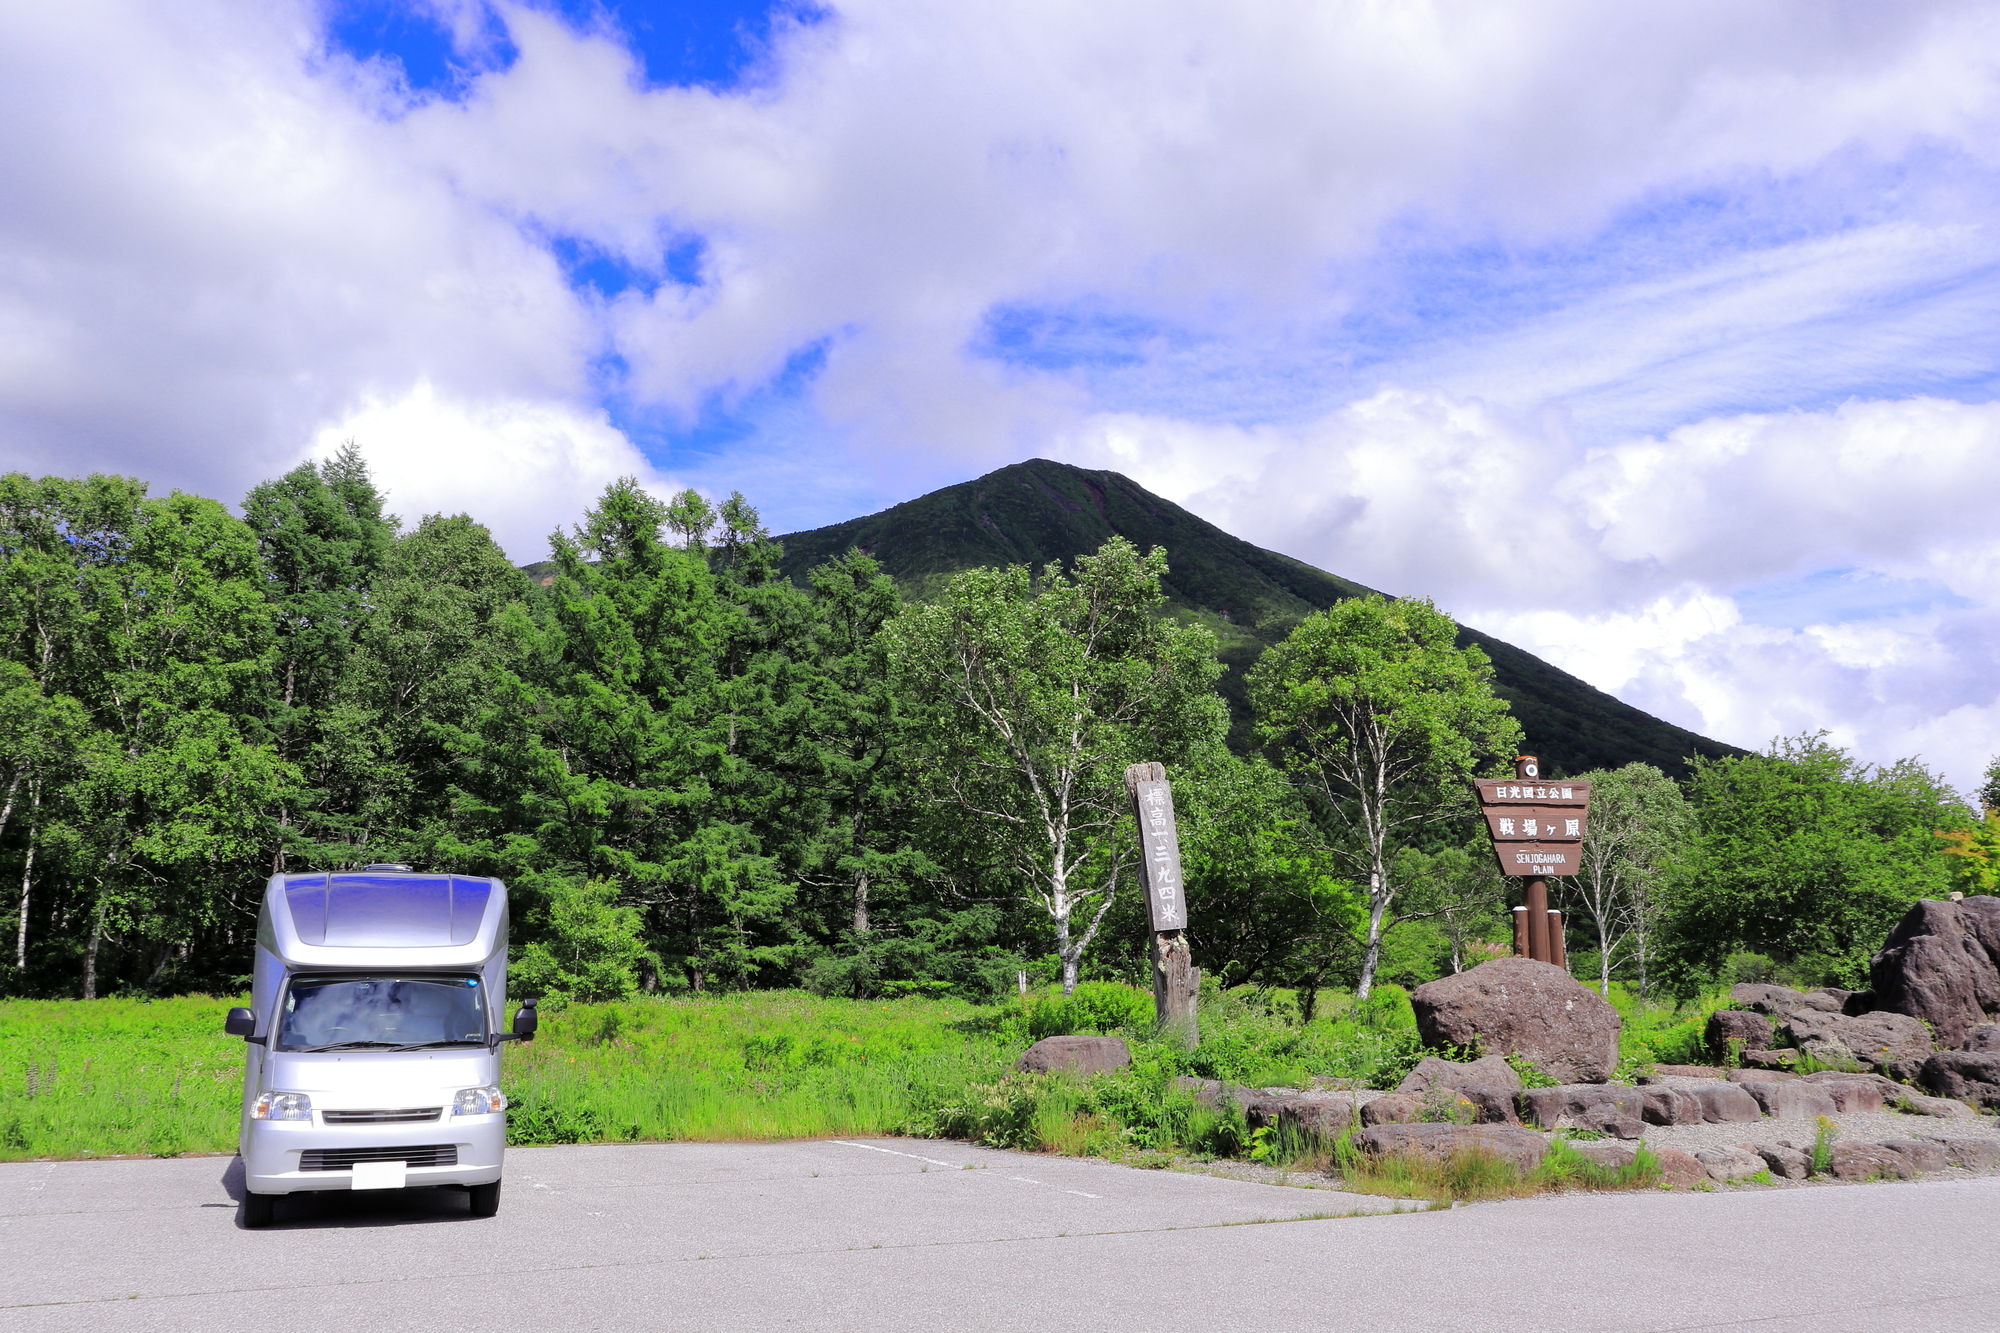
[[1968, 1075], [1727, 1025], [1973, 1154], [1943, 1108], [1670, 1106], [1785, 1161], [1075, 1055], [1319, 1115], [1853, 1093], [1793, 1100], [1921, 1155], [1729, 1163], [1872, 1039], [1942, 964], [1607, 1153], [1516, 1006], [1523, 1148], [1678, 1171], [1869, 1161], [1985, 1037], [1432, 1072], [1398, 1108], [1726, 1103], [1585, 1105]]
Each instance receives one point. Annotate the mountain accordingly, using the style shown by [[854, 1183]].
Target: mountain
[[1039, 512]]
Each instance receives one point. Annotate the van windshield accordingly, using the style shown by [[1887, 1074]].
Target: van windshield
[[381, 1012]]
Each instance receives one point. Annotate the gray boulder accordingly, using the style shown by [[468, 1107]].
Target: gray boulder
[[1727, 1025], [1523, 1148], [1318, 1115], [1581, 1104], [1969, 1075], [1075, 1055], [1792, 1100], [1729, 1164], [1398, 1108], [1610, 1155], [1855, 1092], [1985, 1037], [1921, 1156], [1726, 1103], [1516, 1006], [1492, 1071], [1491, 1106], [1785, 1161], [1942, 964], [1871, 1039], [1780, 1059], [1760, 1075], [1943, 1108], [1670, 1106], [1973, 1154], [1773, 1000], [1868, 1161]]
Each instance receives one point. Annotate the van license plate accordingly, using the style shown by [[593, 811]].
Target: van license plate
[[380, 1175]]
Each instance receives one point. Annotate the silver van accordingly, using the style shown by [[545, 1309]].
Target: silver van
[[374, 1037]]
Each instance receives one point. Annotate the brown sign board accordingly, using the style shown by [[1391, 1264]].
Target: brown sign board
[[1532, 823], [1160, 852], [1538, 858], [1518, 791]]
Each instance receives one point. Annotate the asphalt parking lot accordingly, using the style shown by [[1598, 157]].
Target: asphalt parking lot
[[894, 1235]]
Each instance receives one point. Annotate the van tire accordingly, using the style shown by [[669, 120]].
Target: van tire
[[485, 1199], [258, 1209]]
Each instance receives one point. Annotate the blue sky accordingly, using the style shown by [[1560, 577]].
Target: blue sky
[[1658, 337]]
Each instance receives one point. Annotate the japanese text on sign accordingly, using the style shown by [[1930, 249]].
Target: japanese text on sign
[[1161, 855]]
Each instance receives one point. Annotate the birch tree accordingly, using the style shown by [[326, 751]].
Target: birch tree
[[1382, 721], [1034, 694], [1638, 820]]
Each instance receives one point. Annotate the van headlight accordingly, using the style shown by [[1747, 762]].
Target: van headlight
[[282, 1106], [479, 1101]]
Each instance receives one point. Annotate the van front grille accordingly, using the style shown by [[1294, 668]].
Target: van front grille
[[343, 1159], [412, 1115]]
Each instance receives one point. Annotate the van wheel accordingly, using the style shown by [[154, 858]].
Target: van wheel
[[258, 1209], [485, 1199]]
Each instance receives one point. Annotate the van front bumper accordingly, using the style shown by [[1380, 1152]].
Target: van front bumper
[[273, 1151]]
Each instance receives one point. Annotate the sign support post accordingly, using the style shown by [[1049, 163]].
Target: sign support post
[[1176, 981]]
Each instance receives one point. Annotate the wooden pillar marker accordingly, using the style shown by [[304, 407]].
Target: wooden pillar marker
[[1176, 981], [1537, 825]]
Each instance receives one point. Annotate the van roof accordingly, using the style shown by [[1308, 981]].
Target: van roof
[[386, 909]]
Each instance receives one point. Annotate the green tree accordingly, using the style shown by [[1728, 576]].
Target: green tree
[[1382, 721], [587, 947], [1455, 897], [1034, 694], [1638, 827], [1266, 905], [1806, 854], [429, 658], [322, 539], [1989, 786]]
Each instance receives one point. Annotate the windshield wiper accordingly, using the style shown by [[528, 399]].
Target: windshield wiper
[[427, 1045], [336, 1046]]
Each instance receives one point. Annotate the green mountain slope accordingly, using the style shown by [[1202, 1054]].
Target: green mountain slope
[[1039, 512]]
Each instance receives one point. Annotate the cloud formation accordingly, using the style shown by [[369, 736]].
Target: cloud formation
[[1657, 337]]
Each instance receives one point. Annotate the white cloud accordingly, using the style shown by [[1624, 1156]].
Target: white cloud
[[518, 467], [1618, 564]]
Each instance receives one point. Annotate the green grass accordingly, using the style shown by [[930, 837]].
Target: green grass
[[109, 1077], [117, 1077]]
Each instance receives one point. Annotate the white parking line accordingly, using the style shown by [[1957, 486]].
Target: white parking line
[[935, 1162]]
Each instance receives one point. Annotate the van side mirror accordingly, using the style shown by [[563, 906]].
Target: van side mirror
[[240, 1023], [525, 1022]]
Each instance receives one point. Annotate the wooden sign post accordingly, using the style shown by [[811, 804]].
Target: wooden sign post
[[1537, 826], [1176, 981]]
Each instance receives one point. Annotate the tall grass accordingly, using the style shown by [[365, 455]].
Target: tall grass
[[105, 1077]]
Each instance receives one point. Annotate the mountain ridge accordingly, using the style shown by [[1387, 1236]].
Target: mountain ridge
[[1041, 512]]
